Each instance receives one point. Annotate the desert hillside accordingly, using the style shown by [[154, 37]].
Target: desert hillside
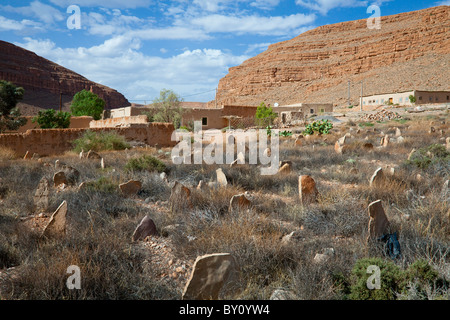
[[44, 80], [410, 51]]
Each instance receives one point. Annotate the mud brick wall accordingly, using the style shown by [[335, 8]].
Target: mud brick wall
[[56, 141]]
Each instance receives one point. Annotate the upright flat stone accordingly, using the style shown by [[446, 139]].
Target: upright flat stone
[[93, 155], [57, 224], [307, 189], [285, 169], [145, 229], [210, 274], [41, 195], [377, 177], [398, 132], [59, 178], [378, 222], [221, 178], [180, 197], [239, 202], [130, 188]]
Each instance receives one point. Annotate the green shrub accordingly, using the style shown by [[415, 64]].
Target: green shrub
[[102, 185], [100, 141], [285, 133], [321, 126], [435, 154], [50, 119], [264, 115], [391, 278], [366, 124], [147, 163], [87, 103]]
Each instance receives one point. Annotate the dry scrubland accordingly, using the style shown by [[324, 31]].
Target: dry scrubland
[[101, 222]]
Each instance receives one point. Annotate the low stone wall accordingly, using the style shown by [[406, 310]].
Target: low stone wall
[[47, 142]]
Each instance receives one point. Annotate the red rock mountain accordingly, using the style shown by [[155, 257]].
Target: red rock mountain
[[44, 80], [410, 51]]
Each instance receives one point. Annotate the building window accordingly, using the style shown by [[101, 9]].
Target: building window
[[322, 110], [448, 97], [400, 100], [430, 98], [204, 121], [311, 111]]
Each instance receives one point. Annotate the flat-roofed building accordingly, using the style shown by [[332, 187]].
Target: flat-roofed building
[[402, 98]]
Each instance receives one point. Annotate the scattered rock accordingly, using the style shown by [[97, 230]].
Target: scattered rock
[[385, 141], [378, 222], [285, 169], [307, 189], [93, 155], [445, 190], [400, 139], [57, 224], [377, 177], [130, 188], [145, 229], [41, 195], [59, 178], [411, 153], [27, 156], [209, 275], [323, 257], [296, 235], [398, 132], [239, 202], [180, 198], [221, 178]]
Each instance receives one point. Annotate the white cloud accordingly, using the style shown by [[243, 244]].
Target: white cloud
[[23, 25], [8, 24], [443, 3], [265, 4], [118, 63], [43, 12], [253, 24], [323, 6]]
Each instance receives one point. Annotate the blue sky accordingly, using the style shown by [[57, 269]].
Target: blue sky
[[139, 47]]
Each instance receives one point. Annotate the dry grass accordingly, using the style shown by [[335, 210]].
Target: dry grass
[[102, 220]]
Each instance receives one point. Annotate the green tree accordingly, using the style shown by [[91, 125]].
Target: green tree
[[166, 108], [264, 115], [10, 117], [87, 103], [412, 98], [49, 119]]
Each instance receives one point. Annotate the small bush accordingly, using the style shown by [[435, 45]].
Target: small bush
[[147, 163], [435, 156], [50, 119], [391, 278], [321, 127], [100, 141], [366, 124], [102, 185]]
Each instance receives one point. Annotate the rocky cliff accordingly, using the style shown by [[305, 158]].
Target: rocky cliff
[[44, 81], [410, 51]]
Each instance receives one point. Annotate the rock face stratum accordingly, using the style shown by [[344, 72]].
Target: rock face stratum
[[411, 51], [44, 80]]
